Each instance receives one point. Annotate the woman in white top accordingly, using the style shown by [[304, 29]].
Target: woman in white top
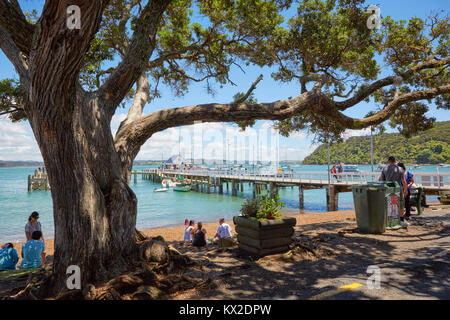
[[189, 232]]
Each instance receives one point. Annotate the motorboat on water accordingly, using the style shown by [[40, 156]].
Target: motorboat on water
[[182, 187], [160, 189], [350, 168]]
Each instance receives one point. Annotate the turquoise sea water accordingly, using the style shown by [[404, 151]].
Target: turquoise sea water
[[154, 209]]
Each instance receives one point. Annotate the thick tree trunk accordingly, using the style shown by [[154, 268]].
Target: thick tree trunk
[[94, 209]]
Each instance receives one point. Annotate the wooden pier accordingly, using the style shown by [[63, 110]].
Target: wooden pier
[[209, 181], [38, 181]]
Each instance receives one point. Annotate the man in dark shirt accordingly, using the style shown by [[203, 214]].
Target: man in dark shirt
[[392, 172]]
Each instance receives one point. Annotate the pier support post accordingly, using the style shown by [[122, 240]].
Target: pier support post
[[273, 190], [332, 198], [135, 177], [301, 198], [242, 187], [220, 186], [254, 191], [234, 188], [29, 183]]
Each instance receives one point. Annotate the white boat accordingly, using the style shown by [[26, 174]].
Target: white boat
[[167, 183], [160, 189], [350, 168]]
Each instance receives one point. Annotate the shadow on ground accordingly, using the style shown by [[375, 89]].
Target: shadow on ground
[[407, 258]]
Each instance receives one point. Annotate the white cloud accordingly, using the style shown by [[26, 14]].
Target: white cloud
[[356, 133], [17, 142], [299, 135]]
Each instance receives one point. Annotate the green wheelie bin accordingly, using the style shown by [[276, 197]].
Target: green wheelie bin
[[377, 206]]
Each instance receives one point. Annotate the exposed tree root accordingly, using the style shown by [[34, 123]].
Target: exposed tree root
[[157, 271]]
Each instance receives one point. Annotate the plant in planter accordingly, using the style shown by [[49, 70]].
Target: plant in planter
[[261, 229], [262, 208]]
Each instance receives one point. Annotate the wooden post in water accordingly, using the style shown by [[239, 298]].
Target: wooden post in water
[[234, 188], [242, 187], [135, 177], [254, 191], [30, 184], [220, 186], [301, 198], [332, 198], [273, 189]]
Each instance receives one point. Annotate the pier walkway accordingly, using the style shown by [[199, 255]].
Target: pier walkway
[[214, 181]]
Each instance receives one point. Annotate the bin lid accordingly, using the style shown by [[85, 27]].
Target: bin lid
[[378, 185]]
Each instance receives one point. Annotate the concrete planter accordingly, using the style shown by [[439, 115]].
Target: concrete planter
[[263, 238]]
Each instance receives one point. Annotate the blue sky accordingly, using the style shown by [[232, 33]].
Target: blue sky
[[17, 141]]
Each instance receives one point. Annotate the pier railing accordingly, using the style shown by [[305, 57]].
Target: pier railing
[[425, 179]]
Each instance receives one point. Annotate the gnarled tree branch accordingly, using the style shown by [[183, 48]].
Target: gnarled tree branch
[[14, 55], [141, 47], [388, 111], [16, 25], [366, 91]]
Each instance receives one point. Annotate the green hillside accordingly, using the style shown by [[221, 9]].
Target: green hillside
[[428, 147]]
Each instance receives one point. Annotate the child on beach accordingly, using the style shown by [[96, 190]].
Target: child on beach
[[33, 252], [8, 257], [189, 233]]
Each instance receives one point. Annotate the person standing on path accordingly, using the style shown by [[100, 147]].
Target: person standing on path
[[409, 177], [392, 172]]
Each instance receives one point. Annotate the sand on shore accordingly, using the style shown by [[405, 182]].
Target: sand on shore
[[176, 233]]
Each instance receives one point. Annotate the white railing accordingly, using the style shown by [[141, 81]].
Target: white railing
[[317, 177]]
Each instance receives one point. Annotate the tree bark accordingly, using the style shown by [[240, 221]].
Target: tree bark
[[94, 209]]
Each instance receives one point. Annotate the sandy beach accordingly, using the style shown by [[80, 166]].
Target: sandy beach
[[176, 233]]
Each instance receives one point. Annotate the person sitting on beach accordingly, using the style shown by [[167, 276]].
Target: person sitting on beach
[[8, 257], [33, 252], [33, 225], [199, 236], [223, 234], [189, 232]]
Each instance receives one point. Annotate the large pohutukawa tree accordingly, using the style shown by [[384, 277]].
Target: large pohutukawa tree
[[69, 87]]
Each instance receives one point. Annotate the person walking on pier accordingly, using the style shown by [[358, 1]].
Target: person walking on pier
[[340, 170], [333, 172]]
